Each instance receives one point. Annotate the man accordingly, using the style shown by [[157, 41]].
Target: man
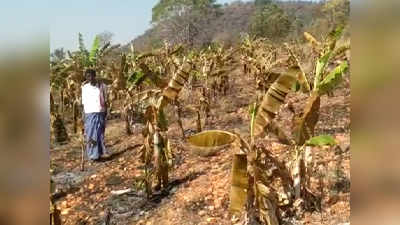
[[95, 111]]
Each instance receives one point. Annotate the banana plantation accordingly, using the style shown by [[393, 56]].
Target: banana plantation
[[256, 133]]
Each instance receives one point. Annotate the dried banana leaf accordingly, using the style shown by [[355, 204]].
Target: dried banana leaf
[[238, 195], [301, 76], [176, 83], [305, 124], [273, 99], [267, 205], [314, 43], [212, 138], [105, 81]]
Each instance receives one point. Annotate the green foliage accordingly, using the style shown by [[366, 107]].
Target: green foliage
[[321, 141], [332, 79], [320, 67], [262, 2], [167, 8], [89, 59], [296, 86], [328, 52], [82, 47], [270, 21], [94, 50], [253, 112], [338, 11], [83, 52], [136, 78], [57, 55]]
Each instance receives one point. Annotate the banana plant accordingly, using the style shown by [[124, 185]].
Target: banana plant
[[215, 66], [324, 81], [250, 185], [156, 144], [259, 58], [143, 70], [251, 179]]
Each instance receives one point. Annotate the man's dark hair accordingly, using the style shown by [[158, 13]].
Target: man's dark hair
[[90, 72]]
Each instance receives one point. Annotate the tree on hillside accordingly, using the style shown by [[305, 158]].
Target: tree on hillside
[[169, 8], [185, 21], [270, 21], [259, 3], [57, 55], [338, 11], [105, 37]]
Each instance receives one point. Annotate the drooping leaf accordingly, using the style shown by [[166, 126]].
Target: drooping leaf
[[273, 99], [332, 79], [136, 78], [340, 50], [238, 195], [306, 123], [301, 77], [152, 76], [104, 80], [146, 97], [321, 140], [103, 49], [275, 129], [314, 43], [109, 49], [211, 138], [320, 67], [332, 37], [176, 83]]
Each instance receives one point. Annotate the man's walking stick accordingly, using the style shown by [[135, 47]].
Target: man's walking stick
[[82, 137], [82, 150]]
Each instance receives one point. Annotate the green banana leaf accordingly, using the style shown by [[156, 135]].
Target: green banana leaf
[[332, 79], [321, 140], [320, 67], [94, 50]]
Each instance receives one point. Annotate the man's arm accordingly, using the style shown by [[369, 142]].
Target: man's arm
[[105, 98]]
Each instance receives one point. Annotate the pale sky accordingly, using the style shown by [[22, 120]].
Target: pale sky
[[126, 19], [28, 22]]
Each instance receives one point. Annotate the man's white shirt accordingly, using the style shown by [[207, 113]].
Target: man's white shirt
[[91, 98]]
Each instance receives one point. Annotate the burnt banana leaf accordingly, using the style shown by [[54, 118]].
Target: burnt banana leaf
[[273, 99]]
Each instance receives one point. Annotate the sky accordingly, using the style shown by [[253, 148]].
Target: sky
[[126, 19], [32, 23]]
